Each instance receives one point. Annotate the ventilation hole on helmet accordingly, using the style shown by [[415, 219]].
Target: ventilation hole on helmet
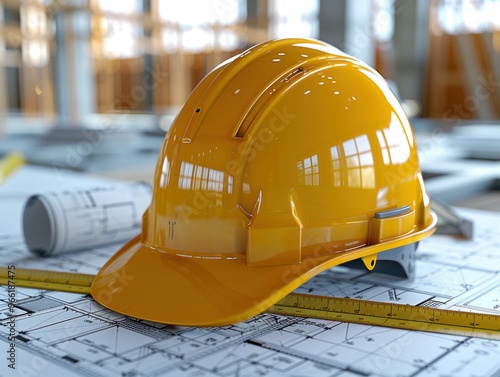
[[292, 74], [197, 110]]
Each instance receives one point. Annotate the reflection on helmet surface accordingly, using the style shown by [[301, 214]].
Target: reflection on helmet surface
[[321, 146]]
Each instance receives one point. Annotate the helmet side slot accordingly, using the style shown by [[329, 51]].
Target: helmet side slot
[[391, 224]]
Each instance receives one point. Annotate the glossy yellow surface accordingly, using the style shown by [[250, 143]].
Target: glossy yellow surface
[[273, 171], [9, 164]]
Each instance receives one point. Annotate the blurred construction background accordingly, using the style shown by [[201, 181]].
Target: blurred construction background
[[66, 61], [93, 85]]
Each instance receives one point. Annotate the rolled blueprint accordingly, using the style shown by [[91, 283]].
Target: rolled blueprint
[[59, 222]]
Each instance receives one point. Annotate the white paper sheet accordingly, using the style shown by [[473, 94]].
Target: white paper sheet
[[58, 222], [64, 212]]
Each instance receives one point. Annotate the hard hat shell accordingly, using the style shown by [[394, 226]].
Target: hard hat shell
[[286, 160]]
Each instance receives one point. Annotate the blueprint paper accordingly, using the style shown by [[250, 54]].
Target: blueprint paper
[[71, 335], [67, 211], [32, 180], [85, 217]]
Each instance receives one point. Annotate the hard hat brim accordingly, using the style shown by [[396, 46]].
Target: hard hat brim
[[189, 290]]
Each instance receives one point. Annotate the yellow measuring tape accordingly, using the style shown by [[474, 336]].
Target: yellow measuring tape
[[386, 314], [372, 313], [9, 164], [50, 280]]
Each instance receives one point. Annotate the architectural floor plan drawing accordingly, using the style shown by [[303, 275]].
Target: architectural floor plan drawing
[[84, 218], [69, 334]]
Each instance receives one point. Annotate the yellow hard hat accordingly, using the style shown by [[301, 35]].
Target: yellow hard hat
[[286, 160]]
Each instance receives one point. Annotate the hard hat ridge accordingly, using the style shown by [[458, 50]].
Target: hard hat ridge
[[286, 160]]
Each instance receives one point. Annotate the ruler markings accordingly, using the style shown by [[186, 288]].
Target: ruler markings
[[350, 310]]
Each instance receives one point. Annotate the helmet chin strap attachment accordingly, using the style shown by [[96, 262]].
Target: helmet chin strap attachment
[[370, 261], [398, 262]]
